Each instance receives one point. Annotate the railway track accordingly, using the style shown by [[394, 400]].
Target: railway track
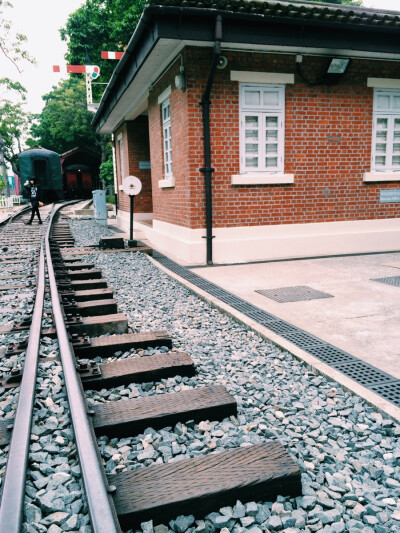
[[83, 316]]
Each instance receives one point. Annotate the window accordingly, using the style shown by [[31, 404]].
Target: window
[[166, 124], [386, 131], [261, 128], [121, 155]]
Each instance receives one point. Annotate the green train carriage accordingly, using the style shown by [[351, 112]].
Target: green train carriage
[[45, 166]]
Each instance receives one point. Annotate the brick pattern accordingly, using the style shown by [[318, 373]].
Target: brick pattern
[[172, 205], [328, 175], [135, 140]]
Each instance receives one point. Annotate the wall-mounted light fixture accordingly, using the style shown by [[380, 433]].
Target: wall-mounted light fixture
[[338, 66], [334, 71], [180, 80]]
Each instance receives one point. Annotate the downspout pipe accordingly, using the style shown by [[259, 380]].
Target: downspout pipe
[[207, 169]]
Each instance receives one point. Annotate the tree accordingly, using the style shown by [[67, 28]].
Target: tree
[[65, 121], [13, 119], [100, 25], [107, 173], [97, 25]]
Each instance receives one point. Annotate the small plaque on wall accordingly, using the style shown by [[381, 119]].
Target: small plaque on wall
[[389, 196], [144, 165]]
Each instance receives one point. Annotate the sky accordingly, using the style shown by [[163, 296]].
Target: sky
[[40, 21]]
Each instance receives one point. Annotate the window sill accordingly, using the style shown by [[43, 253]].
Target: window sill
[[381, 176], [262, 178], [167, 183]]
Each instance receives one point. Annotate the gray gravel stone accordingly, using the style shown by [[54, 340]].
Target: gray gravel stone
[[346, 449]]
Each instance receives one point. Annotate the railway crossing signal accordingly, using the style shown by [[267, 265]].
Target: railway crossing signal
[[92, 72], [111, 55]]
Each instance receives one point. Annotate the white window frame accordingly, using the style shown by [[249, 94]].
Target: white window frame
[[262, 112], [391, 115], [166, 136], [121, 155]]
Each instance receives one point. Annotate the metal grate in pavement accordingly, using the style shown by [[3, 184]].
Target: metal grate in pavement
[[389, 391], [300, 293], [302, 339], [330, 354], [367, 375], [394, 281]]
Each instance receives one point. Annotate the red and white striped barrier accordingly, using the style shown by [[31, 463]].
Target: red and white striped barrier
[[111, 55], [94, 70]]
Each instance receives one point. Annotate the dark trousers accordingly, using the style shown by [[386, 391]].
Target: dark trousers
[[35, 210]]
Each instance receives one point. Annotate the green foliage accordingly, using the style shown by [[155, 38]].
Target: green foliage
[[13, 118], [14, 125], [110, 199], [107, 173], [100, 25], [65, 121]]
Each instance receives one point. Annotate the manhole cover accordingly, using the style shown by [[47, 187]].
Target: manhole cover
[[394, 281], [300, 293]]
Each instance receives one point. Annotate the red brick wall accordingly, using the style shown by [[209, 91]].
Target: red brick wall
[[176, 204], [135, 138], [328, 176]]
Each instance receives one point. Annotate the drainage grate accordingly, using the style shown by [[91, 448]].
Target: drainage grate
[[300, 293], [389, 391], [330, 354], [115, 229], [365, 374], [282, 328], [301, 339], [370, 377], [394, 281]]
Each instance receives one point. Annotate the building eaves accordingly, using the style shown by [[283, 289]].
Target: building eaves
[[311, 14], [306, 11]]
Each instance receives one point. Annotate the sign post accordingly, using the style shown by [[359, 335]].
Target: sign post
[[131, 185]]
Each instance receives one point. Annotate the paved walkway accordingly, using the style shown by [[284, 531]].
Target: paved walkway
[[362, 317]]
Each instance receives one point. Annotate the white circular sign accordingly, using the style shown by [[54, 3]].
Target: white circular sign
[[131, 185]]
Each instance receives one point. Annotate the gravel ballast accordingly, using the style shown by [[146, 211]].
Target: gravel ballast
[[348, 452]]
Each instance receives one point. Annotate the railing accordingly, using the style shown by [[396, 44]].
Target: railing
[[14, 199]]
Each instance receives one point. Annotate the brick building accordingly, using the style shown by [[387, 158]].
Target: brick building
[[299, 103]]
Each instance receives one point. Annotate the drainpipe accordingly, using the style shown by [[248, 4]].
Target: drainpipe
[[207, 170]]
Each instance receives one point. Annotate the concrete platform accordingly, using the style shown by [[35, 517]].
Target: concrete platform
[[362, 317]]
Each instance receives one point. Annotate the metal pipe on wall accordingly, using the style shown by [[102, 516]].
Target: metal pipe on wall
[[207, 170]]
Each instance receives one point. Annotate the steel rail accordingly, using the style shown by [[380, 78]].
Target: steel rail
[[10, 219], [12, 502], [102, 514]]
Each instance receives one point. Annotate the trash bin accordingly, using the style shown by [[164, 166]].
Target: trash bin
[[100, 207]]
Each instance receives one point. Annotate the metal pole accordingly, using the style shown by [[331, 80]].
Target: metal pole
[[208, 170], [131, 242], [131, 220]]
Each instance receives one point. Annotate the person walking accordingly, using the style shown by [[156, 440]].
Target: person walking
[[34, 198]]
